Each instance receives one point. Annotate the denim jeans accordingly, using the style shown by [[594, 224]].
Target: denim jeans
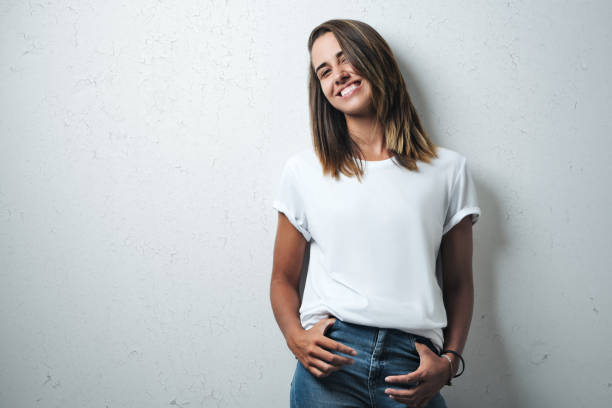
[[380, 353]]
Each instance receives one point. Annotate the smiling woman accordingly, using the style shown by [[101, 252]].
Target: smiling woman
[[352, 95], [346, 89], [390, 240], [349, 52]]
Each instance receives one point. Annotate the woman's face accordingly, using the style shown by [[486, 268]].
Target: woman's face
[[337, 76]]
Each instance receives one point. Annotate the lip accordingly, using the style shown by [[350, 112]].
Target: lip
[[347, 85]]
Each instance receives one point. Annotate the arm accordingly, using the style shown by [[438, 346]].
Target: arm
[[311, 347], [456, 247], [433, 371], [289, 248]]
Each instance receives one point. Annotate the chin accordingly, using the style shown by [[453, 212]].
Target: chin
[[360, 109], [359, 106]]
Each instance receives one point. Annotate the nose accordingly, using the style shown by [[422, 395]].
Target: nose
[[341, 76]]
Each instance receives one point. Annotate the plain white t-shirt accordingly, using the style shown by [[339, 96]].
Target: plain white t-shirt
[[374, 245]]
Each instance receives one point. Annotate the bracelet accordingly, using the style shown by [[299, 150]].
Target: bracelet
[[461, 358], [450, 369]]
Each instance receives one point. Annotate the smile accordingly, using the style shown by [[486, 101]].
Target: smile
[[349, 90]]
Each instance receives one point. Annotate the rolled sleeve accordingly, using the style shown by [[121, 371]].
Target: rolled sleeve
[[290, 202], [463, 199]]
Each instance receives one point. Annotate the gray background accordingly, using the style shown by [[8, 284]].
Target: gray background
[[141, 143]]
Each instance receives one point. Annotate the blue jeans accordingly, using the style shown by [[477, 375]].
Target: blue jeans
[[380, 353]]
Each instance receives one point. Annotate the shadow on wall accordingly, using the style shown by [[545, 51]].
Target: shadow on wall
[[487, 376]]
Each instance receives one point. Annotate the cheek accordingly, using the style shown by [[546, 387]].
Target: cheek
[[367, 93], [327, 91], [366, 89]]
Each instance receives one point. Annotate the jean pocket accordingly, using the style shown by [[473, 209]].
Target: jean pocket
[[426, 341], [333, 326]]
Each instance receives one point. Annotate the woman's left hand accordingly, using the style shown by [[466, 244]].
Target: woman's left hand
[[432, 374]]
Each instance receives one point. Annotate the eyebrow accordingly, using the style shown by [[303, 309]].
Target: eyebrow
[[338, 54]]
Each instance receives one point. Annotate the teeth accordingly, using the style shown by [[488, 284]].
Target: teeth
[[347, 90]]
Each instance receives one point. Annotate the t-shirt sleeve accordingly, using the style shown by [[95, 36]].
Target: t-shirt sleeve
[[463, 199], [290, 201]]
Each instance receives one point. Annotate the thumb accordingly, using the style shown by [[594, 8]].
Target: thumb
[[330, 321]]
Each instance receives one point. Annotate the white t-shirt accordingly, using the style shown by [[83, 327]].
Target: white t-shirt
[[374, 245]]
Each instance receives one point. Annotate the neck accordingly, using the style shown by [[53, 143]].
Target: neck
[[367, 132]]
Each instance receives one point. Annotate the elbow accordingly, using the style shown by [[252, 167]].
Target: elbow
[[459, 281]]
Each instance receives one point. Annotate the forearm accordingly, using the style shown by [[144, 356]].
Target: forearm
[[459, 304], [285, 304]]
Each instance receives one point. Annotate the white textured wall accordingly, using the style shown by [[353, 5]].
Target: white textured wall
[[141, 143]]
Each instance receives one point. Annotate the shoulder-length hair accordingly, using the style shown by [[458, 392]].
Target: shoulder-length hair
[[373, 59]]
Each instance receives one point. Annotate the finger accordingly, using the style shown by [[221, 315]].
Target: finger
[[402, 379], [326, 324], [338, 361], [411, 402], [325, 368], [313, 360], [331, 358], [315, 371], [424, 349], [401, 393], [395, 379], [412, 377], [320, 364], [330, 344], [405, 401]]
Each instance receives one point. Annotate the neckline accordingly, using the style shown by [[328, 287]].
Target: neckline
[[379, 163]]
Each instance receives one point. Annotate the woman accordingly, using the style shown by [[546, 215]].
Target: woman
[[374, 327]]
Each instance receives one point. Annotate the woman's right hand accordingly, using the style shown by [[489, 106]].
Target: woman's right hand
[[311, 347]]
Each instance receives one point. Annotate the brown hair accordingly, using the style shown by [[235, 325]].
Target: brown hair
[[373, 59]]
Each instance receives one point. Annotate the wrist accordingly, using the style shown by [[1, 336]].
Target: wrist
[[449, 368], [454, 362], [446, 353], [292, 335]]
